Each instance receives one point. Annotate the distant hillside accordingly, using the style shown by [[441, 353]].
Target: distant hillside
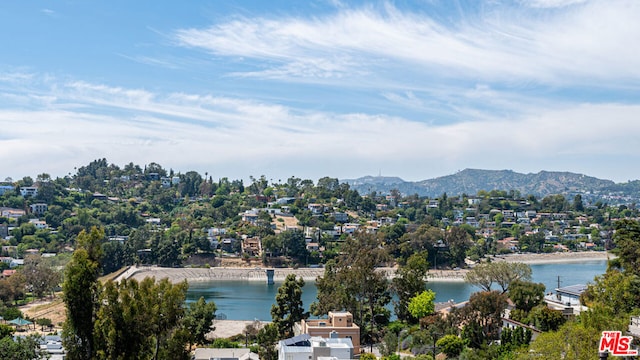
[[470, 181]]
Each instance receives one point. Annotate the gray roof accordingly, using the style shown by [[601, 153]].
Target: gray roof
[[299, 340], [574, 290]]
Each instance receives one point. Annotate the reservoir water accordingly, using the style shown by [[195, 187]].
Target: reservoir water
[[248, 300]]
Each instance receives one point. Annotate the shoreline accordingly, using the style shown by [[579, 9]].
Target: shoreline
[[555, 257], [258, 274]]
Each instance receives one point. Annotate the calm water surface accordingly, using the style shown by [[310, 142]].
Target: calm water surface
[[248, 300]]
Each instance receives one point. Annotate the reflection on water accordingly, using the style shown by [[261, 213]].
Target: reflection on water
[[245, 300]]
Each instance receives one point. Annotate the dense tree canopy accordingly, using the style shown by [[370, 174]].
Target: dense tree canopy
[[408, 282]]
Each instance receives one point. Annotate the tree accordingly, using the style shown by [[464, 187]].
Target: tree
[[6, 330], [199, 320], [294, 244], [614, 289], [501, 273], [408, 282], [627, 241], [39, 276], [451, 345], [21, 348], [80, 295], [352, 283], [575, 339], [526, 295], [482, 316], [458, 241], [422, 304], [532, 243], [577, 203], [117, 331], [546, 319], [158, 305], [288, 308], [267, 338]]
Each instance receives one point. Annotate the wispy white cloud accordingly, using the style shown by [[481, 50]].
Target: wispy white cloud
[[552, 3], [261, 138], [49, 12], [585, 44], [407, 98]]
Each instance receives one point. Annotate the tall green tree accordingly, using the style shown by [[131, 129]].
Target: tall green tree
[[117, 331], [199, 320], [352, 283], [81, 294], [408, 282], [267, 338], [288, 308], [627, 241], [159, 306], [458, 242]]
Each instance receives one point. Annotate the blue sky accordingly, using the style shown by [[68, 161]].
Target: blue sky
[[412, 88]]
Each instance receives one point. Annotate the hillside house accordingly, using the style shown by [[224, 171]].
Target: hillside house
[[12, 213], [340, 216], [316, 209], [250, 216], [252, 246], [39, 224], [338, 325], [29, 191], [39, 208]]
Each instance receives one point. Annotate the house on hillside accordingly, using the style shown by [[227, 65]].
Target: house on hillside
[[39, 224], [11, 213], [250, 216], [252, 246], [29, 191], [339, 324], [39, 208]]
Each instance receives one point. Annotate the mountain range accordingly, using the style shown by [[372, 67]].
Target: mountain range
[[470, 181]]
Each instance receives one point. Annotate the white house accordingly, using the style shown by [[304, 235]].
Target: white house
[[567, 300], [39, 224], [28, 191]]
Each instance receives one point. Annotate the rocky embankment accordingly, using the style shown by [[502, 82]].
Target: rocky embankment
[[310, 274]]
